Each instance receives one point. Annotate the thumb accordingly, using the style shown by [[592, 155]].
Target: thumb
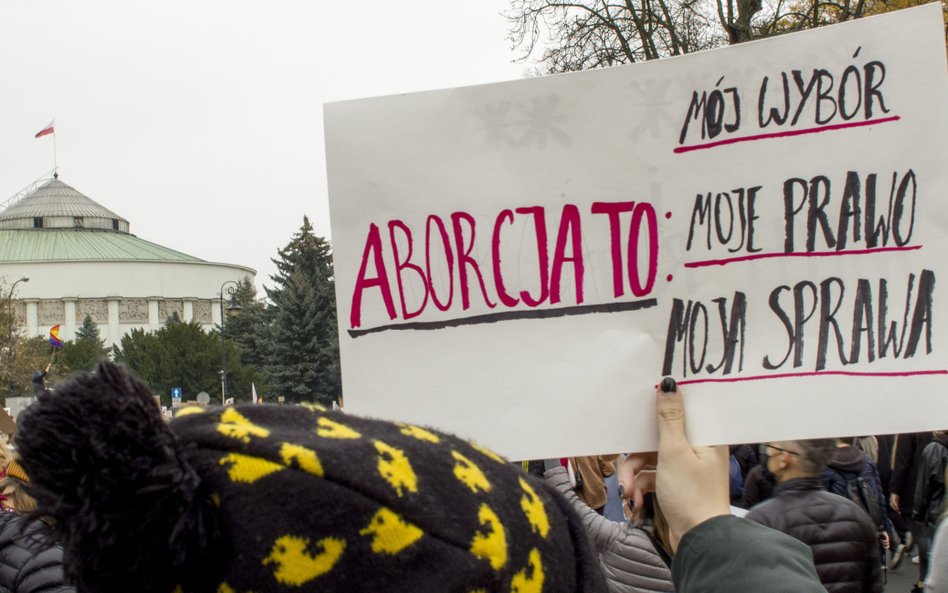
[[670, 408]]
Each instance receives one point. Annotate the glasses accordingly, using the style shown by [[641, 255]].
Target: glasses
[[765, 446]]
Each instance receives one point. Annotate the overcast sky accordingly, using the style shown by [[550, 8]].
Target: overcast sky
[[201, 121]]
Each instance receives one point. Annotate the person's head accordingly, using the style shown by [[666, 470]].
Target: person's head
[[6, 456], [267, 498], [13, 487], [787, 460], [626, 479], [637, 487]]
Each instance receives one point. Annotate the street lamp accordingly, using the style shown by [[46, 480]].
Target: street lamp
[[232, 306], [23, 279], [10, 329], [10, 304]]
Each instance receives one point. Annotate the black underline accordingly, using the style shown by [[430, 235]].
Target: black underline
[[510, 315]]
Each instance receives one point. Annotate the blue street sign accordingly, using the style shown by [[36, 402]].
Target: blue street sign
[[175, 396]]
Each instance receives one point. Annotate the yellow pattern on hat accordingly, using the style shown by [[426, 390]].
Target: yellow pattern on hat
[[225, 588], [469, 474], [490, 543], [488, 453], [188, 411], [329, 429], [295, 566], [306, 459], [244, 468], [420, 433], [15, 470], [396, 469], [521, 583], [313, 407], [534, 510], [391, 534], [234, 425]]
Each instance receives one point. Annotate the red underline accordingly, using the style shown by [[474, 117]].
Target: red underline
[[786, 133], [723, 262], [812, 374]]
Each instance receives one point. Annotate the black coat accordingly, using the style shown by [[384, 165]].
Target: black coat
[[758, 487], [840, 534], [930, 485], [908, 455], [27, 564]]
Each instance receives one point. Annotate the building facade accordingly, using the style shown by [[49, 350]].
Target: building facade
[[81, 260]]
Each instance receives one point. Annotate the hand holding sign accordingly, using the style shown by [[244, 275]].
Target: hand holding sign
[[691, 482]]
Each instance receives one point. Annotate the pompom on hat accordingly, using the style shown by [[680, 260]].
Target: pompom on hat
[[286, 499]]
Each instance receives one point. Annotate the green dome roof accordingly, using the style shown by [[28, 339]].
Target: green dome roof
[[82, 245], [57, 223]]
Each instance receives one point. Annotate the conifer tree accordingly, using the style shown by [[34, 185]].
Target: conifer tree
[[83, 353], [248, 329], [302, 346], [184, 355], [89, 332]]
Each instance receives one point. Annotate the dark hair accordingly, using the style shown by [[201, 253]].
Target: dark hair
[[815, 454], [100, 458]]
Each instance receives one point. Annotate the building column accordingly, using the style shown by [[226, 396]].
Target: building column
[[216, 312], [113, 335], [153, 323], [69, 325], [32, 319], [188, 312]]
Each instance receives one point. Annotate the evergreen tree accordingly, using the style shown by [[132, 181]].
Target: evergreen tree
[[249, 328], [83, 353], [89, 332], [184, 355], [302, 345]]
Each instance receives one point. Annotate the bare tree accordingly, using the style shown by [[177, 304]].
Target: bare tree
[[597, 33], [587, 34]]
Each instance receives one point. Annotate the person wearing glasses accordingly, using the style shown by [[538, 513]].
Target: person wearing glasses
[[840, 534]]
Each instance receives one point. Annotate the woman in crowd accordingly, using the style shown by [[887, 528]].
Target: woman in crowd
[[29, 563], [634, 555]]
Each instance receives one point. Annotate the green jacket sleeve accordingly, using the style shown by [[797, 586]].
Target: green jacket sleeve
[[726, 554]]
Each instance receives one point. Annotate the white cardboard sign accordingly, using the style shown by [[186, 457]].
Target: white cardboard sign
[[520, 263]]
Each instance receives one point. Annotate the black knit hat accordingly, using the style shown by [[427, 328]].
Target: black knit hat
[[286, 499]]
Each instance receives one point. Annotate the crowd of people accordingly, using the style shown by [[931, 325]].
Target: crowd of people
[[30, 560], [107, 496]]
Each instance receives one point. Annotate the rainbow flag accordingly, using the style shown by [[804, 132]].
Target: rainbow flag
[[54, 340]]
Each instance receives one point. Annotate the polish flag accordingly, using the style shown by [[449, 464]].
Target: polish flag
[[50, 129]]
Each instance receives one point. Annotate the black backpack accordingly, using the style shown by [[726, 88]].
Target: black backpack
[[860, 492]]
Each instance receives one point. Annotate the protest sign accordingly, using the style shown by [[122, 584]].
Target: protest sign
[[520, 263]]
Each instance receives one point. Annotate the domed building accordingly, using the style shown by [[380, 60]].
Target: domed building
[[81, 260]]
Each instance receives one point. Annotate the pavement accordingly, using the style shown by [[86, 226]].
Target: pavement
[[902, 579]]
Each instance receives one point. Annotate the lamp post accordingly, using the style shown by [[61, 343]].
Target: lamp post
[[233, 305], [10, 301], [10, 331]]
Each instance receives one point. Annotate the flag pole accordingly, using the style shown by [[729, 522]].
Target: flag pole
[[55, 156]]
